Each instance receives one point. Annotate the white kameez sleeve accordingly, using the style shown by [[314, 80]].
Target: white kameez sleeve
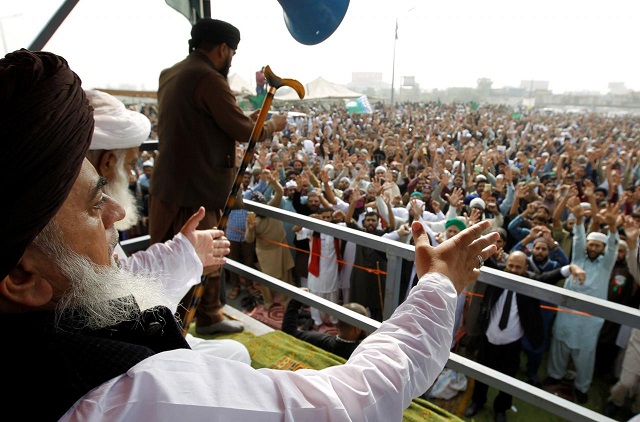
[[174, 261], [395, 364]]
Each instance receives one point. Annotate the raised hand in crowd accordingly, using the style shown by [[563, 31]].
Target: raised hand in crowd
[[573, 204], [415, 208], [355, 196], [436, 206], [324, 177], [612, 217], [589, 188], [522, 191], [445, 178], [548, 236], [456, 257], [300, 182], [579, 275], [239, 154], [261, 158], [376, 186], [455, 197], [530, 211]]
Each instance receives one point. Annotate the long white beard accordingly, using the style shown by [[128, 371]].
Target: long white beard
[[118, 189], [94, 288]]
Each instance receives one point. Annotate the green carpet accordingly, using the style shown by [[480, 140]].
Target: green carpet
[[281, 351]]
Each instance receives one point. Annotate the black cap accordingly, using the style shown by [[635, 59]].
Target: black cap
[[214, 31]]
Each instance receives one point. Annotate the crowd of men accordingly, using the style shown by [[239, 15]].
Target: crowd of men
[[562, 189]]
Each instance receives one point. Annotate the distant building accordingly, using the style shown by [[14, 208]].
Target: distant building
[[362, 80], [618, 88], [409, 81], [534, 86]]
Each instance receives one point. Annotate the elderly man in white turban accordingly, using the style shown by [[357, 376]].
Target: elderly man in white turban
[[114, 150], [575, 336]]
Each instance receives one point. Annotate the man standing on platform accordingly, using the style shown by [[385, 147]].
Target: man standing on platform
[[199, 122]]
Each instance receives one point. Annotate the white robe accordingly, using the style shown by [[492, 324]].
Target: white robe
[[394, 365], [327, 280]]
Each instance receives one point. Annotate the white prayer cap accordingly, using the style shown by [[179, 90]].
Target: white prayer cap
[[381, 169], [477, 202], [291, 184], [147, 163], [600, 237], [623, 244], [585, 205], [116, 127]]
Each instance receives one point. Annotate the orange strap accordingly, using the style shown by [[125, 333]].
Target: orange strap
[[339, 261]]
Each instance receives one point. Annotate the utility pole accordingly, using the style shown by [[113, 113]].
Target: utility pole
[[393, 71]]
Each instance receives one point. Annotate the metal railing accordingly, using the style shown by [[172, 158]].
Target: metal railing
[[397, 251]]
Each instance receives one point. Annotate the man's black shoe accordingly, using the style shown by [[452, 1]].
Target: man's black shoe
[[471, 410], [611, 409], [534, 383], [500, 417], [581, 397]]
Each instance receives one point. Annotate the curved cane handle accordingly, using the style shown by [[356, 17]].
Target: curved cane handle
[[277, 82]]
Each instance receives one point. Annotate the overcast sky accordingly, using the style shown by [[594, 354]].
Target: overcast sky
[[575, 45]]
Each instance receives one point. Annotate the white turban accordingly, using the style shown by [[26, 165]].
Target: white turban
[[291, 184], [600, 237], [116, 127]]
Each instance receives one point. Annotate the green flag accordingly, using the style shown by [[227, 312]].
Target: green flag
[[474, 106], [516, 115], [360, 105], [190, 9]]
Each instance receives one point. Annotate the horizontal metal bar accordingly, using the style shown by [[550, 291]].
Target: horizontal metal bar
[[557, 295], [149, 146], [356, 236], [135, 244], [563, 297], [536, 396]]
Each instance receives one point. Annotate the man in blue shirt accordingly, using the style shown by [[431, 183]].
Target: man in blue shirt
[[575, 336]]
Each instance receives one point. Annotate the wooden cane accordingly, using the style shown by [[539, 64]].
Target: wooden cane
[[274, 83]]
